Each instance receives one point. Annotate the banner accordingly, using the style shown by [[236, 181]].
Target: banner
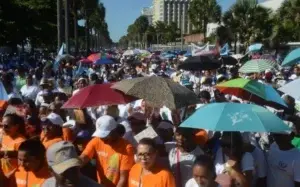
[[196, 49]]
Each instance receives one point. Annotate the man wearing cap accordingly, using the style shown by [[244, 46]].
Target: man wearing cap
[[52, 129], [114, 155], [64, 165]]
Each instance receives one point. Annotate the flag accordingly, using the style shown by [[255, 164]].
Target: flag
[[225, 50], [3, 93], [196, 49], [58, 57]]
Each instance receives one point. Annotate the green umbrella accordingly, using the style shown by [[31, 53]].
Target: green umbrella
[[257, 66], [253, 91], [158, 91], [235, 117]]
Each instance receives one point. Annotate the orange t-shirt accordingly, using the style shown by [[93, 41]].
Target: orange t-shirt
[[67, 135], [8, 144], [47, 143], [159, 178], [110, 160], [30, 179]]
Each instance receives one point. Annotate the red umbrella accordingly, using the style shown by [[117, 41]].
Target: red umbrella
[[97, 95], [94, 57], [86, 61]]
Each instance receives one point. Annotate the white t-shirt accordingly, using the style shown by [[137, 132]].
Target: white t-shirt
[[186, 161], [192, 183], [246, 164], [195, 80], [260, 163], [30, 92], [283, 167]]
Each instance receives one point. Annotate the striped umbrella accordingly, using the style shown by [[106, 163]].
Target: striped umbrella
[[257, 66]]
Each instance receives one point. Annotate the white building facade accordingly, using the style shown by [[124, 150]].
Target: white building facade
[[148, 12], [176, 11]]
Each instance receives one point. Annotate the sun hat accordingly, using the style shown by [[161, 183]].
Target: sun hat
[[62, 156], [104, 125]]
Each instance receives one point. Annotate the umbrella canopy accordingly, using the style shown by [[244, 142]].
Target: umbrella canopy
[[131, 52], [252, 90], [257, 66], [94, 57], [235, 117], [200, 63], [158, 91], [292, 89], [64, 57], [86, 61], [255, 47], [292, 58], [144, 52], [97, 95], [102, 61], [229, 60]]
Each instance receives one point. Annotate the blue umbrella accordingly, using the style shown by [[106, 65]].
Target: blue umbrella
[[292, 89], [255, 47], [102, 61], [292, 58], [235, 117]]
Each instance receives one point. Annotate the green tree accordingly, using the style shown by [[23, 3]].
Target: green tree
[[141, 24], [286, 23], [202, 12], [160, 28], [242, 18]]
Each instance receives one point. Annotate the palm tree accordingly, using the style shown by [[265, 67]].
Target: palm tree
[[75, 6], [59, 23], [160, 28], [67, 17], [88, 7], [141, 24], [242, 18], [202, 12]]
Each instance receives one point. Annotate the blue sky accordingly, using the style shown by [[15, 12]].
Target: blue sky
[[121, 13]]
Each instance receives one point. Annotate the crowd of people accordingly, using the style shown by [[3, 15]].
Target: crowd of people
[[44, 145]]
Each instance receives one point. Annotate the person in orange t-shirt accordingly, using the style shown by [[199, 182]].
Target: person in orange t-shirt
[[148, 172], [114, 155], [33, 169], [52, 130], [14, 128]]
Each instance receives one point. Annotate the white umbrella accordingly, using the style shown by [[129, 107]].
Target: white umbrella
[[131, 52]]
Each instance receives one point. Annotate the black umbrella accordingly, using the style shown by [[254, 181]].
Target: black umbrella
[[195, 63], [229, 60]]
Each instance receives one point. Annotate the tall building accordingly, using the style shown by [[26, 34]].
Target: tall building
[[175, 11], [148, 12]]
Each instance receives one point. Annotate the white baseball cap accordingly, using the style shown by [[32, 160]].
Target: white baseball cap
[[104, 125], [55, 119]]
